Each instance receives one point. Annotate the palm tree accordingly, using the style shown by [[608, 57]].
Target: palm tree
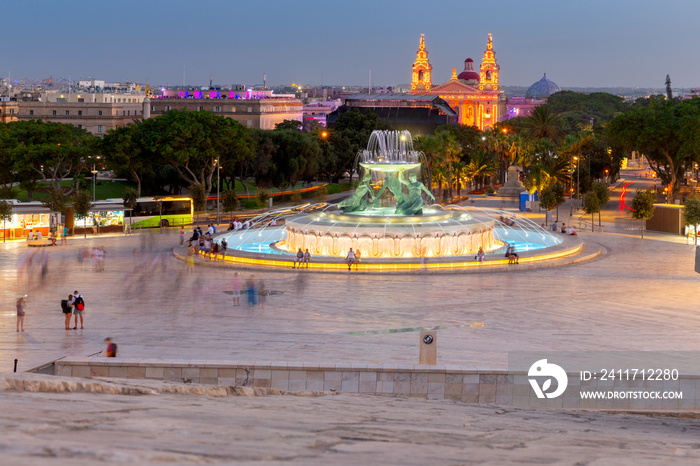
[[430, 146], [543, 124], [460, 175], [481, 166]]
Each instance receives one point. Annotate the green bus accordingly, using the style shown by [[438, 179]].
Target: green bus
[[163, 211]]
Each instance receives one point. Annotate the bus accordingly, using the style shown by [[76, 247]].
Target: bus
[[164, 211]]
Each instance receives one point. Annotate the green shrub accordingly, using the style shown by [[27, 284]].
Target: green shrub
[[252, 203], [296, 198], [263, 196], [321, 194], [334, 188]]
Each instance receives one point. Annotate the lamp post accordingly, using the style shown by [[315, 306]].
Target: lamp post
[[571, 190], [218, 199], [578, 182], [94, 178]]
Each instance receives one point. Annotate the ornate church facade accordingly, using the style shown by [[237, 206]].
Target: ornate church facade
[[474, 96]]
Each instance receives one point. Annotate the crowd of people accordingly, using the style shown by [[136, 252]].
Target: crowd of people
[[204, 244]]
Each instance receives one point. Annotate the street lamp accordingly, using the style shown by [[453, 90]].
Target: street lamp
[[218, 199], [578, 182], [94, 177]]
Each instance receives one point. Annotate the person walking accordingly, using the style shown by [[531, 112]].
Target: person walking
[[262, 294], [67, 308], [111, 351], [236, 282], [250, 290], [190, 260], [20, 313], [78, 309]]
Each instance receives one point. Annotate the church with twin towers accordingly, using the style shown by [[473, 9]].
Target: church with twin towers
[[475, 96]]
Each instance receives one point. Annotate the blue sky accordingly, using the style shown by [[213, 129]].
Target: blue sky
[[592, 43]]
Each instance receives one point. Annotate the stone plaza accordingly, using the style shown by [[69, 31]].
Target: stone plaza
[[637, 295]]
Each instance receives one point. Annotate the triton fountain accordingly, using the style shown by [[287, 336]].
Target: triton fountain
[[387, 218]]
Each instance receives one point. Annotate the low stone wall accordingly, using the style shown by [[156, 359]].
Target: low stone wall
[[465, 384]]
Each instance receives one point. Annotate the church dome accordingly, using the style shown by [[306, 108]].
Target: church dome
[[468, 74], [542, 89]]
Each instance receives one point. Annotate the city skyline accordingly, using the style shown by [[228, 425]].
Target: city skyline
[[596, 44]]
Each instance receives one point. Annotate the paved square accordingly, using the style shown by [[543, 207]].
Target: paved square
[[639, 295]]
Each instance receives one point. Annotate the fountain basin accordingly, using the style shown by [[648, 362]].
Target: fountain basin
[[441, 234]]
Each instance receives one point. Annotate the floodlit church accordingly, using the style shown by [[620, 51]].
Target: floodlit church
[[475, 96]]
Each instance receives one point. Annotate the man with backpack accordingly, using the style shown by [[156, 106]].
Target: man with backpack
[[67, 308], [78, 309]]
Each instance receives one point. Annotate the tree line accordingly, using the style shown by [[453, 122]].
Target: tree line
[[581, 137]]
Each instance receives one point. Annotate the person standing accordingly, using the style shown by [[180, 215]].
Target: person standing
[[182, 235], [20, 313], [111, 351], [236, 282], [67, 308], [78, 309], [307, 258]]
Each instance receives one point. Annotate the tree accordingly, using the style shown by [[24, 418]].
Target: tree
[[669, 92], [130, 197], [81, 205], [198, 196], [543, 124], [351, 132], [548, 199], [191, 142], [665, 131], [50, 152], [601, 191], [643, 206], [591, 205], [481, 166], [5, 215], [230, 201], [293, 125], [124, 154], [55, 201], [296, 157], [691, 214]]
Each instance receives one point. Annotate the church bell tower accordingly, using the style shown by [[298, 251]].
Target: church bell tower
[[421, 79], [488, 76]]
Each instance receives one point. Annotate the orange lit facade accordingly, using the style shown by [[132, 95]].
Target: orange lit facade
[[474, 96]]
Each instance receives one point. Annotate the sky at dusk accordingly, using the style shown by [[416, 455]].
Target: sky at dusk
[[596, 43]]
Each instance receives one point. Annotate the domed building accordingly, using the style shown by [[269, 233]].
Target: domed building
[[469, 76], [542, 89]]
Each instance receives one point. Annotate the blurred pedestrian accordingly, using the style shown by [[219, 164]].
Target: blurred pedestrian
[[190, 260], [20, 313], [182, 236], [236, 282], [262, 294], [250, 290]]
